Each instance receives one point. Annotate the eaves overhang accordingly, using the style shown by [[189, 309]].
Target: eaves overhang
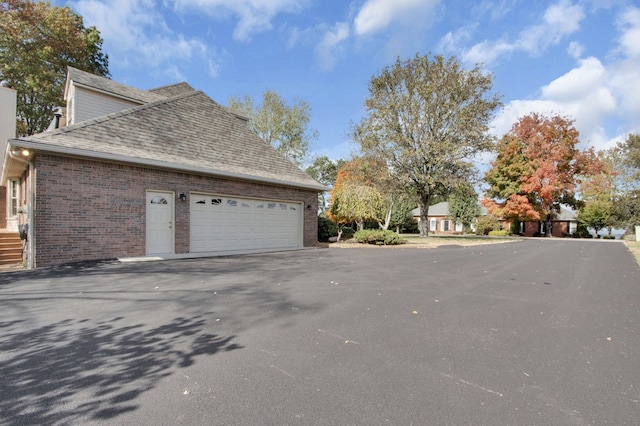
[[37, 147]]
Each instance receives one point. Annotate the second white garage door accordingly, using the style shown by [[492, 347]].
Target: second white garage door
[[221, 223]]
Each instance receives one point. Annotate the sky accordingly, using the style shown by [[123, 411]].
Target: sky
[[575, 58]]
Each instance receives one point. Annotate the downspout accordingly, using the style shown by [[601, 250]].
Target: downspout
[[29, 208]]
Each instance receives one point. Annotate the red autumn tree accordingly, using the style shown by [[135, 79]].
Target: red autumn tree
[[538, 167]]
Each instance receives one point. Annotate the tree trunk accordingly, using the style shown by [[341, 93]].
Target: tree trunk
[[424, 215], [548, 230], [387, 218]]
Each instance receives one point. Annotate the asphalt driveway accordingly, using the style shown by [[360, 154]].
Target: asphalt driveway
[[537, 332]]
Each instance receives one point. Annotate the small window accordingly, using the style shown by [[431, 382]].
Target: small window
[[293, 208], [216, 201], [283, 206], [159, 200], [260, 206], [232, 203], [14, 199], [445, 224], [201, 202], [245, 205], [271, 205]]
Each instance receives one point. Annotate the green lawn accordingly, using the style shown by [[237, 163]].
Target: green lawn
[[634, 246], [463, 240]]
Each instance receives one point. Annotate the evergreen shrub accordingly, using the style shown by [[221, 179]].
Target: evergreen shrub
[[378, 237]]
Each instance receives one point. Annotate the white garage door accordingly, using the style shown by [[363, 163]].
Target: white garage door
[[220, 223]]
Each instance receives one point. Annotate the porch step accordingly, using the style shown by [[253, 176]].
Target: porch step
[[10, 248]]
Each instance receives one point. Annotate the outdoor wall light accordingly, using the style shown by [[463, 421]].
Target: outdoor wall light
[[308, 206], [183, 196], [21, 151]]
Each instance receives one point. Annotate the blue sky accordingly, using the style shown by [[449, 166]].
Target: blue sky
[[574, 58]]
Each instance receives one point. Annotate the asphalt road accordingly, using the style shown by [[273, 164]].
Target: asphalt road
[[537, 332]]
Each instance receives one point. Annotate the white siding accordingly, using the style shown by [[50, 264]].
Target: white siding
[[7, 117], [88, 104]]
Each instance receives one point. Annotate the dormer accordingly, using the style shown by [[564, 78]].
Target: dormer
[[89, 96]]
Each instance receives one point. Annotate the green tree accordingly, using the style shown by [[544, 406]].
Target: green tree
[[595, 214], [629, 155], [325, 171], [37, 43], [402, 213], [626, 209], [463, 206], [486, 224], [284, 126], [427, 118], [358, 203], [374, 173]]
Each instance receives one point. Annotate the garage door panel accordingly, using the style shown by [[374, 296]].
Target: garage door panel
[[221, 223]]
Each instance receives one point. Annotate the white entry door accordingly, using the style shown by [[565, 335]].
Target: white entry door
[[159, 222]]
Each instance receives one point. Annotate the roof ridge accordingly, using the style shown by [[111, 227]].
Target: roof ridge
[[114, 115]]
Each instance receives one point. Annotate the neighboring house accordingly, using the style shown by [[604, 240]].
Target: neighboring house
[[439, 220], [160, 172], [566, 222]]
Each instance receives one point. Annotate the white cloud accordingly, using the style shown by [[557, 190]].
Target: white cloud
[[376, 15], [487, 52], [582, 94], [630, 24], [625, 72], [330, 45], [136, 34], [575, 50], [559, 21], [253, 15], [453, 40]]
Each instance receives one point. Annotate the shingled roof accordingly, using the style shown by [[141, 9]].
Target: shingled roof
[[173, 89], [189, 132], [96, 82]]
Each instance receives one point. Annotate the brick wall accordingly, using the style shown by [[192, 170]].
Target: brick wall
[[89, 210]]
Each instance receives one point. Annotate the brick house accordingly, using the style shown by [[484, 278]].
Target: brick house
[[165, 172], [439, 220], [565, 222]]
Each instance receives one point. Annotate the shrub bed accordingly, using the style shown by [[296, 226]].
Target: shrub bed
[[499, 233], [378, 237]]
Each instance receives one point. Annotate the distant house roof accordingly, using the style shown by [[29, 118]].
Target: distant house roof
[[566, 214], [442, 209], [189, 132]]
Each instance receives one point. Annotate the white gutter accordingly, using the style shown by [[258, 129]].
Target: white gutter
[[30, 233]]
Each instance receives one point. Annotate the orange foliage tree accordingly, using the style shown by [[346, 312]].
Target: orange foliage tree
[[357, 194], [538, 167]]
